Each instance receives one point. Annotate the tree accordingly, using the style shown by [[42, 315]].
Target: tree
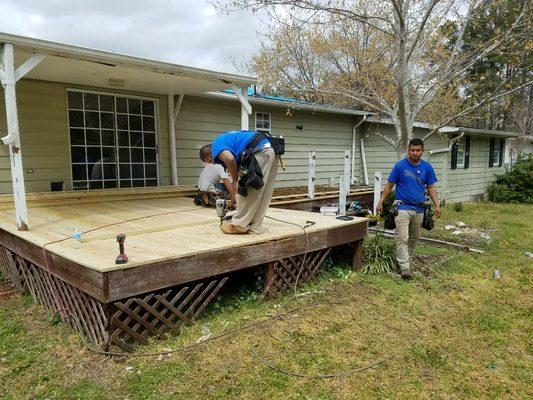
[[403, 59], [512, 63]]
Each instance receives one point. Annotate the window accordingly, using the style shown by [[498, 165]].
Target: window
[[496, 153], [461, 153], [112, 141], [262, 122]]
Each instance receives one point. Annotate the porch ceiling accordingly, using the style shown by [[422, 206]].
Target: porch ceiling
[[82, 66]]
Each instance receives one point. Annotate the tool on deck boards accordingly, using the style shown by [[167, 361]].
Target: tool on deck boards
[[122, 258], [222, 208]]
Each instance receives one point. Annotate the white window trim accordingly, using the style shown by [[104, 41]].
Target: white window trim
[[461, 162], [269, 130], [116, 94]]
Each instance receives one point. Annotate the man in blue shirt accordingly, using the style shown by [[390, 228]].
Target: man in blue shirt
[[251, 209], [411, 176]]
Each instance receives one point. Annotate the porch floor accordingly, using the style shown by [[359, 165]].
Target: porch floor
[[157, 229]]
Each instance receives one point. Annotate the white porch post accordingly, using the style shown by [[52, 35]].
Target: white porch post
[[344, 184], [312, 176], [246, 108], [12, 140], [173, 111], [377, 189]]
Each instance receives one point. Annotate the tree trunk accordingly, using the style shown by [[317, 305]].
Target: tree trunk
[[402, 87]]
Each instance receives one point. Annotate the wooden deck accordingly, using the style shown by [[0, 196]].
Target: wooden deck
[[170, 242]]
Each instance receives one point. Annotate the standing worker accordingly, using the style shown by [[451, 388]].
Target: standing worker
[[250, 160], [411, 176]]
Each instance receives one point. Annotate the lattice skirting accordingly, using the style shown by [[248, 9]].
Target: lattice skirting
[[282, 275], [121, 322]]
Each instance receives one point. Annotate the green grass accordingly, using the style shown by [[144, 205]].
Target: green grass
[[474, 339]]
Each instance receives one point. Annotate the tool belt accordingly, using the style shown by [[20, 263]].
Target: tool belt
[[250, 174], [427, 222]]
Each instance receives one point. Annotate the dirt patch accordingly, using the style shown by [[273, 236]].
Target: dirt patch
[[7, 291]]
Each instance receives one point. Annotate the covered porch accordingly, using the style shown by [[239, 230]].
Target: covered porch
[[96, 128]]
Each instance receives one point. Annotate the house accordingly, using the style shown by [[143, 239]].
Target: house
[[96, 120]]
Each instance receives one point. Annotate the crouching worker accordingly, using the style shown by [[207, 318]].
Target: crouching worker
[[250, 160], [411, 176], [213, 183]]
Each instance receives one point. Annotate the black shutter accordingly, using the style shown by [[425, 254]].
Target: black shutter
[[454, 156], [467, 151], [502, 143], [491, 152]]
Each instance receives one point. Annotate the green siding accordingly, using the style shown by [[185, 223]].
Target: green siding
[[201, 119], [462, 184], [44, 139], [42, 110]]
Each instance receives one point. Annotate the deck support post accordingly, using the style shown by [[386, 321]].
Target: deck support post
[[9, 77], [357, 260]]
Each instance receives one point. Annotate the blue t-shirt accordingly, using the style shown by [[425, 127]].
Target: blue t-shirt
[[234, 141], [411, 181]]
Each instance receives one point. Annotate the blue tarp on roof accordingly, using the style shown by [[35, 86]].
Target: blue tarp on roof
[[253, 93]]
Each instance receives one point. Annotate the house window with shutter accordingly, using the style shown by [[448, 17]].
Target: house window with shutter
[[461, 153], [496, 152]]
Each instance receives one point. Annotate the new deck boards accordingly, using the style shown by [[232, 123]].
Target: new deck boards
[[169, 228]]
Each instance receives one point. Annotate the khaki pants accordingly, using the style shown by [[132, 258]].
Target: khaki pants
[[408, 223], [251, 209]]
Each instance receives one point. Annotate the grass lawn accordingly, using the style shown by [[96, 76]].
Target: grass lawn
[[457, 333]]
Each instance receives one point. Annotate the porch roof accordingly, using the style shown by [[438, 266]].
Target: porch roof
[[84, 66]]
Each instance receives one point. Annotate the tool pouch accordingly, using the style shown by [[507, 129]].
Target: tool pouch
[[428, 223]]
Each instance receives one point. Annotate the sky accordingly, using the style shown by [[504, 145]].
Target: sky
[[186, 32]]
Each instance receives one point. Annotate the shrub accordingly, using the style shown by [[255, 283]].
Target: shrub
[[458, 207], [516, 185], [379, 255]]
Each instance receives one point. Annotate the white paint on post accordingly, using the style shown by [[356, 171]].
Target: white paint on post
[[173, 111], [312, 177], [363, 161], [377, 189], [245, 111], [12, 140], [28, 65], [344, 184], [246, 108]]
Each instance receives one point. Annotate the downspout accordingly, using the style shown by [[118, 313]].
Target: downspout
[[354, 129], [173, 111]]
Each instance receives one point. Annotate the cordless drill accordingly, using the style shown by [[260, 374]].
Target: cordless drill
[[222, 209]]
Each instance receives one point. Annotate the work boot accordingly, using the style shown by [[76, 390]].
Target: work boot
[[231, 229]]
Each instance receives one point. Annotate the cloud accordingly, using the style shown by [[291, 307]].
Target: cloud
[[187, 32]]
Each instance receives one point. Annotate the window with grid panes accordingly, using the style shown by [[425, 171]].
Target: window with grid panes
[[262, 122], [496, 153], [461, 153], [112, 141]]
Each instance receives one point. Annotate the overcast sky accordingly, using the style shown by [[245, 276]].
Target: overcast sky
[[188, 32]]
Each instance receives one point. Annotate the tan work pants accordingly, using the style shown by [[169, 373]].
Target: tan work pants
[[251, 209], [408, 223]]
